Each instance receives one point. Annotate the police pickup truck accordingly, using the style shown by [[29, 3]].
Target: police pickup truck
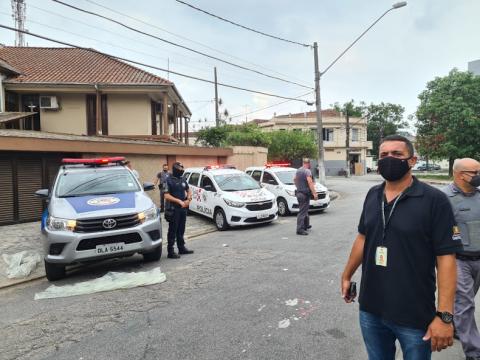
[[97, 209], [229, 197], [279, 180]]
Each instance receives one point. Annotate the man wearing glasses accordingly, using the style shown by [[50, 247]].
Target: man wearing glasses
[[464, 196]]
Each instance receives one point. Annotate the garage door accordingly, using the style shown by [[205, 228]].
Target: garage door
[[6, 193], [29, 180]]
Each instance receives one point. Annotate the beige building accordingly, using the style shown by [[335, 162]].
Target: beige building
[[83, 92], [334, 137]]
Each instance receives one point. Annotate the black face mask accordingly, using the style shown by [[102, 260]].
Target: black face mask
[[165, 170], [177, 171], [475, 181], [393, 169]]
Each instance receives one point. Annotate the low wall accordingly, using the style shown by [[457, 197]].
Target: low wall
[[245, 156]]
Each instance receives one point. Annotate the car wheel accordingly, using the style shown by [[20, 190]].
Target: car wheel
[[154, 255], [220, 220], [282, 207], [54, 271]]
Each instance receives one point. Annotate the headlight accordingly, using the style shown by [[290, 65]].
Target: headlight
[[236, 204], [150, 214], [290, 192], [57, 224]]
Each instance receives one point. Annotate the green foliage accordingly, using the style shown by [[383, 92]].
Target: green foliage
[[448, 117], [382, 120], [233, 135], [350, 109], [289, 145]]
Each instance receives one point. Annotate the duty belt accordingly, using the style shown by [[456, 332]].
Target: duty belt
[[468, 257]]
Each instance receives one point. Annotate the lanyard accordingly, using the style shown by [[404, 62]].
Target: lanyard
[[387, 221]]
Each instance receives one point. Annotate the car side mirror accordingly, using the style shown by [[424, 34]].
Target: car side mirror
[[42, 194], [148, 186], [208, 188]]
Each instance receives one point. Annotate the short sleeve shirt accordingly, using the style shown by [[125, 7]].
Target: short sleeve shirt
[[177, 187], [163, 176], [421, 228], [302, 184]]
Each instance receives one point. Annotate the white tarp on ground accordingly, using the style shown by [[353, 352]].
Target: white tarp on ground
[[108, 282], [21, 264]]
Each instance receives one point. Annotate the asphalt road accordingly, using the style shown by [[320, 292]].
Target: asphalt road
[[269, 294]]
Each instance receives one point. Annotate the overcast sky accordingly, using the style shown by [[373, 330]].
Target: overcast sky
[[392, 63]]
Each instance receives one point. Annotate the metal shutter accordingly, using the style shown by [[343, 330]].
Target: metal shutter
[[6, 191], [29, 180]]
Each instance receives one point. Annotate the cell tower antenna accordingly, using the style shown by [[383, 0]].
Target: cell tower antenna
[[18, 15]]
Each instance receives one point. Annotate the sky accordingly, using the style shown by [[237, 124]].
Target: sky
[[392, 63]]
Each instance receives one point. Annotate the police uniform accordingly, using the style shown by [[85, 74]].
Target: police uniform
[[303, 195], [162, 177], [466, 209], [178, 188]]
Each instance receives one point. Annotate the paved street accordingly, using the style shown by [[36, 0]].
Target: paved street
[[269, 294]]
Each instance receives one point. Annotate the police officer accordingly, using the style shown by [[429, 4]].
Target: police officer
[[178, 196], [161, 180], [305, 191], [464, 196]]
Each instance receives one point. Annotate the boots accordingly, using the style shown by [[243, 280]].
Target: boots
[[172, 254], [184, 251]]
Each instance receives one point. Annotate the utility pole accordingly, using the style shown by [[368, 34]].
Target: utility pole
[[217, 122], [347, 143], [18, 14], [318, 103]]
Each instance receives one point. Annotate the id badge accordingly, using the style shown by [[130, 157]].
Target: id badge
[[381, 256]]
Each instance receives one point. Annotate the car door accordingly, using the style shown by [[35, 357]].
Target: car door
[[257, 175], [205, 199], [193, 184], [269, 182]]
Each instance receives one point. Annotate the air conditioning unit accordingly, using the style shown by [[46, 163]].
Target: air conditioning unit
[[48, 102]]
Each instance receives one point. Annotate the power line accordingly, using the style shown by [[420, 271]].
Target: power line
[[185, 38], [242, 26], [150, 66], [178, 45], [267, 107]]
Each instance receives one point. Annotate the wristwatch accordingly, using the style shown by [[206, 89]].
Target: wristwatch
[[445, 316]]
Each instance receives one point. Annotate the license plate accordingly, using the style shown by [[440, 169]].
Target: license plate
[[262, 216], [109, 248]]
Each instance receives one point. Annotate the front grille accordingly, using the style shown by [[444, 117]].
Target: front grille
[[89, 244], [92, 225], [257, 206], [154, 235], [321, 195], [253, 220]]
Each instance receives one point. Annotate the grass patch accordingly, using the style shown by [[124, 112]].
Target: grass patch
[[434, 177]]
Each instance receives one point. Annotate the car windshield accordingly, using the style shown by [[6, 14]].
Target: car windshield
[[286, 177], [95, 182], [236, 182]]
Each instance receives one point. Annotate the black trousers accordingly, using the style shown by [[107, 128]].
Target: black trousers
[[176, 229], [162, 201], [303, 220]]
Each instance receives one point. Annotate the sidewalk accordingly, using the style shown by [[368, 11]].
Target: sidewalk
[[20, 237]]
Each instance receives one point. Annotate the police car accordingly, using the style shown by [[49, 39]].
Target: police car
[[229, 197], [97, 209], [279, 180]]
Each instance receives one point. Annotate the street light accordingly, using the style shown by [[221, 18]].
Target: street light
[[318, 75]]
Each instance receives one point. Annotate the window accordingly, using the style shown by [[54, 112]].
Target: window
[[355, 135], [207, 184], [194, 179], [186, 175], [327, 134], [249, 172], [257, 174], [269, 179], [236, 182]]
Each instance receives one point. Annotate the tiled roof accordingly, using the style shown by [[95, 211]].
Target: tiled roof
[[72, 66], [310, 114]]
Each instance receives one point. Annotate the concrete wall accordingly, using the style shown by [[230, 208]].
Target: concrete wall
[[70, 119], [129, 114], [245, 156], [197, 161]]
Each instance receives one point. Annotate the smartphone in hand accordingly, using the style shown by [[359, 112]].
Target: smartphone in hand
[[352, 291]]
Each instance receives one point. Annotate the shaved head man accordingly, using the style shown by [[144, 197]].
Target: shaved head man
[[464, 196]]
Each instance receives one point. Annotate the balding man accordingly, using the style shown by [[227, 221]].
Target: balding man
[[465, 198]]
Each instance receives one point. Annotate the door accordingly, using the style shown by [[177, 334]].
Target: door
[[29, 180], [31, 102], [193, 184], [91, 115], [206, 196], [7, 200], [269, 182]]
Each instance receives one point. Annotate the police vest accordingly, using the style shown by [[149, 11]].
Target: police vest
[[467, 214]]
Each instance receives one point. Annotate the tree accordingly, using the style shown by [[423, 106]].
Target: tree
[[382, 120], [448, 117], [233, 135], [213, 136], [290, 145]]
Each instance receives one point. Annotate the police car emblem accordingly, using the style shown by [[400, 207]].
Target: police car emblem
[[103, 201], [109, 223], [204, 196]]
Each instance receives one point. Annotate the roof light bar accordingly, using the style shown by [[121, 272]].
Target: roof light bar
[[98, 161]]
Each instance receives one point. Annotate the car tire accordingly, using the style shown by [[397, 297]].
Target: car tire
[[282, 207], [220, 220], [154, 255], [54, 272]]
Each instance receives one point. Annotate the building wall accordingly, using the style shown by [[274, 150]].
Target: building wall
[[474, 66], [70, 119], [246, 156], [129, 114]]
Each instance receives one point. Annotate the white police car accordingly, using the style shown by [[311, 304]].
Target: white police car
[[97, 209], [229, 197], [279, 180]]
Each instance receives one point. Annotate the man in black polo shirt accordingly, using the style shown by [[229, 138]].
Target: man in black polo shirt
[[406, 230]]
